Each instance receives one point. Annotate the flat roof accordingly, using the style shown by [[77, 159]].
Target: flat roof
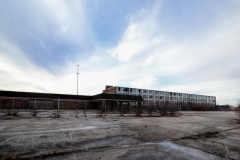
[[101, 96]]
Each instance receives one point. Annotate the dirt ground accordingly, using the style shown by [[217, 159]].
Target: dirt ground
[[194, 135]]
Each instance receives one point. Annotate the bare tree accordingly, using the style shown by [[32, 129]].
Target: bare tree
[[10, 112], [56, 114], [34, 113], [173, 109], [76, 113], [238, 108]]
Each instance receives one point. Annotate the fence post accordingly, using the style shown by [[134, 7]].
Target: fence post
[[137, 109], [13, 103], [122, 107], [105, 103], [102, 107], [85, 108], [115, 106], [180, 109], [35, 104], [58, 104]]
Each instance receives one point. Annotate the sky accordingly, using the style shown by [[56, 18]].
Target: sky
[[187, 46]]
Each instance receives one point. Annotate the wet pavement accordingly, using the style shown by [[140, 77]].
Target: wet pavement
[[194, 135]]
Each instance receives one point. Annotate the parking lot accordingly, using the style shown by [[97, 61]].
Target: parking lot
[[193, 135]]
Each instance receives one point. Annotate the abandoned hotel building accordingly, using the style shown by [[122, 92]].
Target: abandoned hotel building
[[156, 97], [112, 98]]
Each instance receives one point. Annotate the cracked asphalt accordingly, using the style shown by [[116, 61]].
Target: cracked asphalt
[[194, 135]]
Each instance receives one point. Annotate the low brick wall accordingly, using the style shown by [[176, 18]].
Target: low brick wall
[[18, 103], [44, 104], [73, 105]]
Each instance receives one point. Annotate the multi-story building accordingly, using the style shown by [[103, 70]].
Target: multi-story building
[[156, 97]]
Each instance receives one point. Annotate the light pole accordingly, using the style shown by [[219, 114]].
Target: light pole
[[77, 78]]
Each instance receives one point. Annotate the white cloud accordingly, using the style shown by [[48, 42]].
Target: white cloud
[[204, 64], [145, 57], [139, 35], [145, 82], [69, 18]]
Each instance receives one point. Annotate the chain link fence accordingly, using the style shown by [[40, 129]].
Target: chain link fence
[[100, 107]]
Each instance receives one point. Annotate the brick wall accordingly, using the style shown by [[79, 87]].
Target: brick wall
[[112, 90], [25, 104], [73, 105], [109, 89], [18, 103]]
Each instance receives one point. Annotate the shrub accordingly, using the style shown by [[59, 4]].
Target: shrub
[[10, 112], [34, 113], [56, 114], [173, 109], [238, 108]]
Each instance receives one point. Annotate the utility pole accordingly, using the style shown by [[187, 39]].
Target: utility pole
[[77, 78]]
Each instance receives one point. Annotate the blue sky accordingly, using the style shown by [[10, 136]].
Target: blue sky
[[172, 45]]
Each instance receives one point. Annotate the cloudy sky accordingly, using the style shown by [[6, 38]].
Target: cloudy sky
[[190, 46]]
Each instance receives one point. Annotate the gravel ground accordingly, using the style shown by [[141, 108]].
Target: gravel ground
[[194, 135]]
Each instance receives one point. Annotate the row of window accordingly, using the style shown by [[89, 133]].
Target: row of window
[[166, 97], [143, 92], [161, 102], [174, 98]]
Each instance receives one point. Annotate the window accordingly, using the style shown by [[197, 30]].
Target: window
[[145, 96], [119, 89], [125, 89]]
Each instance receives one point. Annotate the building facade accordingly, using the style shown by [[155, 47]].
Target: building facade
[[157, 97], [33, 100]]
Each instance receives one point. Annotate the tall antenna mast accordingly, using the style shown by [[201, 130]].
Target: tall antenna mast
[[77, 78]]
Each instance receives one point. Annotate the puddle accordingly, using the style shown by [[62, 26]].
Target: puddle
[[169, 150], [113, 145], [185, 152], [162, 150]]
